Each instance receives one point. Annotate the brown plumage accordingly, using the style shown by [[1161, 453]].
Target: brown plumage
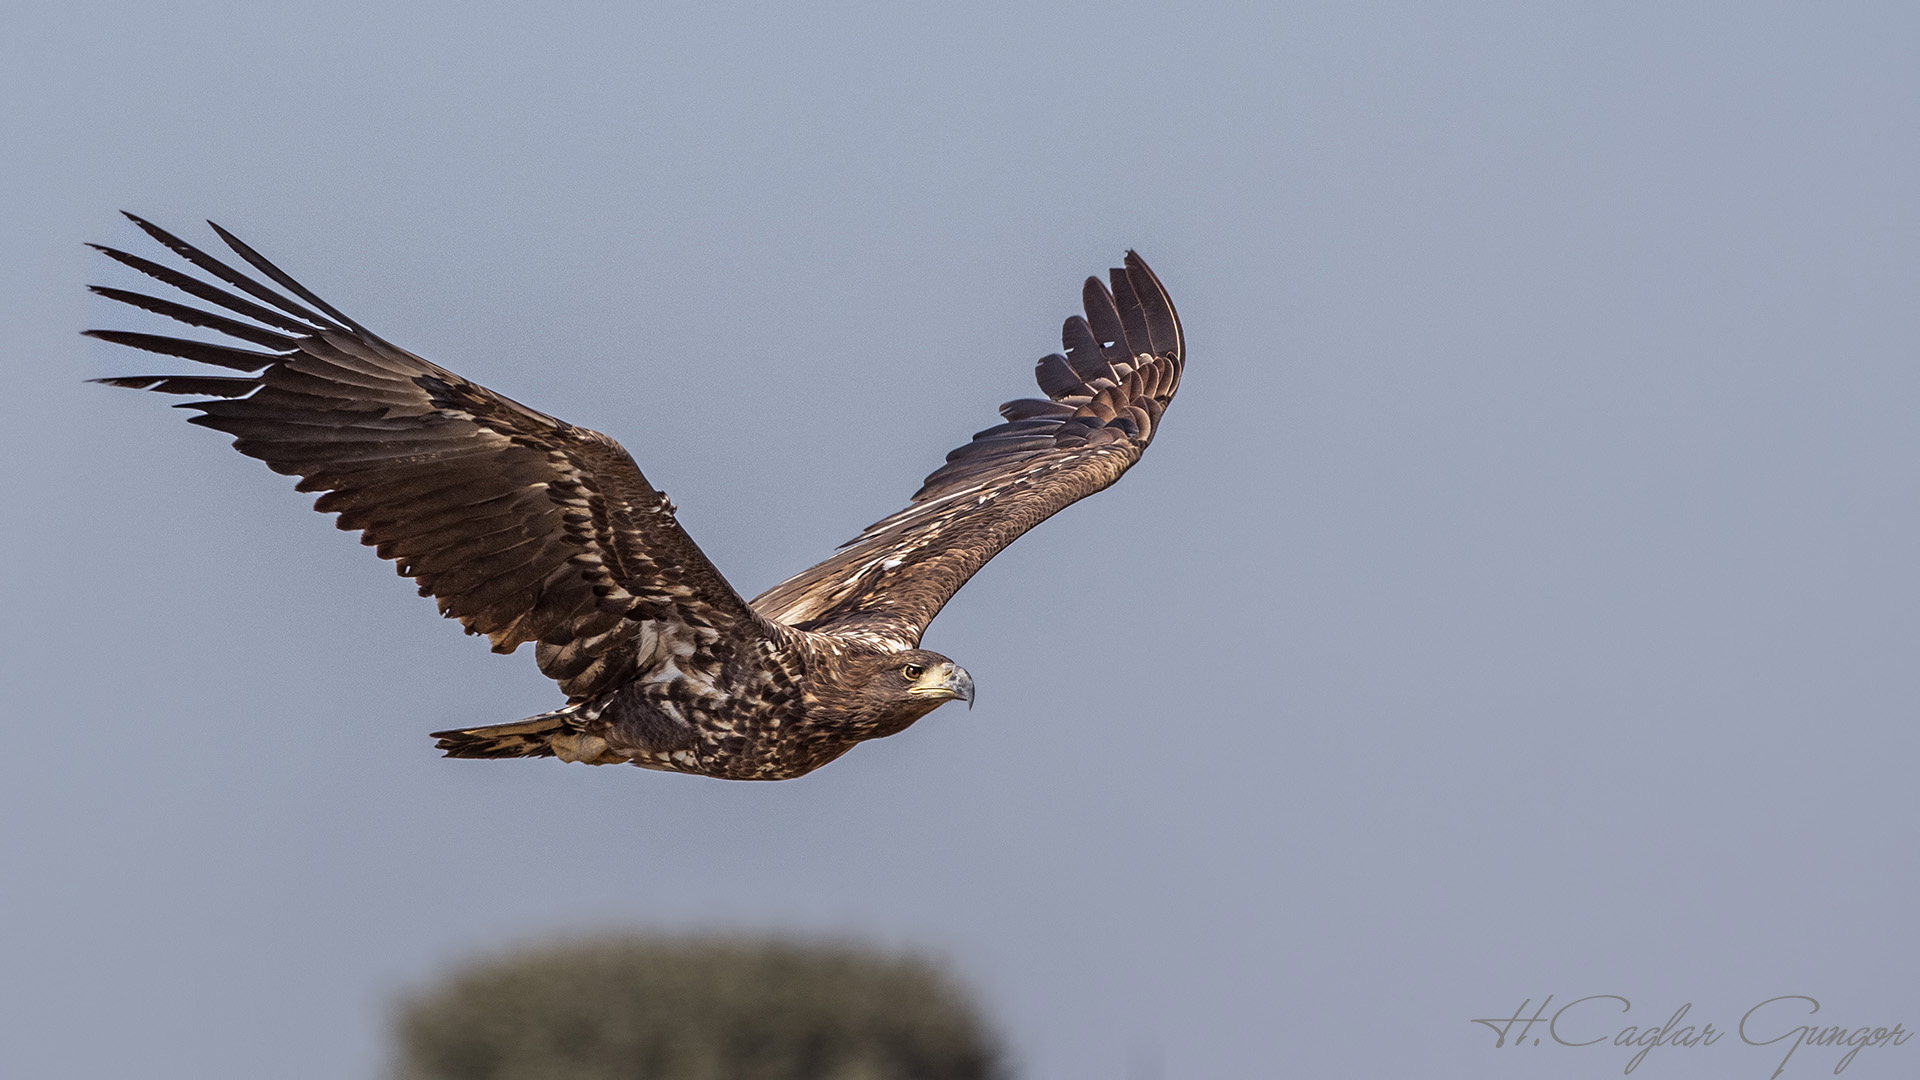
[[528, 529]]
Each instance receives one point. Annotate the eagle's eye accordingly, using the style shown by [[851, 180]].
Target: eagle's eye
[[913, 671]]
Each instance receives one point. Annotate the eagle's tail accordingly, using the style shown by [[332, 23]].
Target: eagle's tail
[[560, 733]]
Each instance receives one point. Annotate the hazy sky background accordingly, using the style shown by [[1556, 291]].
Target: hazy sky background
[[1520, 599]]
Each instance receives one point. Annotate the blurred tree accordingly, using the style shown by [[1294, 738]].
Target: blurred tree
[[638, 1008]]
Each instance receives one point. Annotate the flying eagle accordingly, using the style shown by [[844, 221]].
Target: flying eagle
[[529, 529]]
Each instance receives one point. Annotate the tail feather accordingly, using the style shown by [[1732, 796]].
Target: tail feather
[[563, 733], [532, 737]]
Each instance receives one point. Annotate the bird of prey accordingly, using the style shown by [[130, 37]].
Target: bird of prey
[[529, 529]]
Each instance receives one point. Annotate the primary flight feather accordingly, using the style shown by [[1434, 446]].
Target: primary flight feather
[[529, 529]]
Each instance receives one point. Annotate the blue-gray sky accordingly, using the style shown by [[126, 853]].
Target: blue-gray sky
[[1519, 600]]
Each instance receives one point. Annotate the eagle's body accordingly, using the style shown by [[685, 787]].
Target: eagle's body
[[528, 529]]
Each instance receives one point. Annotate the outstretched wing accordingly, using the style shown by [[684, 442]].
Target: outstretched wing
[[524, 527], [1105, 394]]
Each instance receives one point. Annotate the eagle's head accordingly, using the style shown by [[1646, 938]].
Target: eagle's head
[[893, 689]]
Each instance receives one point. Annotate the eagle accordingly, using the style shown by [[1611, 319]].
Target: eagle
[[528, 529]]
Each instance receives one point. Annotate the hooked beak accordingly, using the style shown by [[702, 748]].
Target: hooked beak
[[945, 681]]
